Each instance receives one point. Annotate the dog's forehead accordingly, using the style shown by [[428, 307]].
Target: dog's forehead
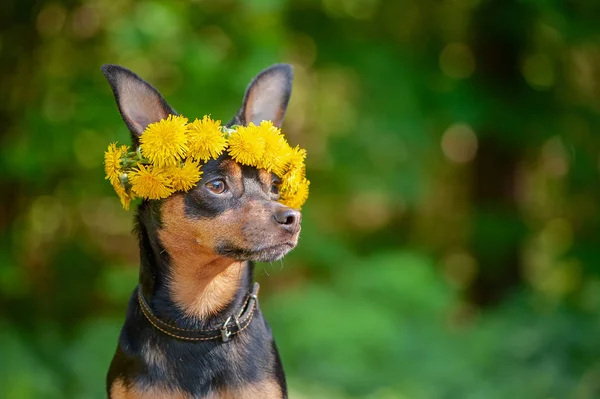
[[226, 166], [230, 168]]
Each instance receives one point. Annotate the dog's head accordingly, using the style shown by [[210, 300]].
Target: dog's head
[[233, 211]]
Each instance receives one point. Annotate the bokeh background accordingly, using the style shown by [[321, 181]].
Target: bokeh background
[[450, 245]]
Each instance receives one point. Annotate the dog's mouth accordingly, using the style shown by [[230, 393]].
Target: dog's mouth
[[269, 253]]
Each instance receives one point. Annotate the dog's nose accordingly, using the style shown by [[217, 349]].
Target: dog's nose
[[288, 218]]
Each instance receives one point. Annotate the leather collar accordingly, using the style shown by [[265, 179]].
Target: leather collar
[[235, 324]]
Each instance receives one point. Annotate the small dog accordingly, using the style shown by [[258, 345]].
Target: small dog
[[193, 327]]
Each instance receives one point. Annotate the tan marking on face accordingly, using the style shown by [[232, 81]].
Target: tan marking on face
[[201, 282], [233, 170], [266, 389], [265, 178], [119, 390]]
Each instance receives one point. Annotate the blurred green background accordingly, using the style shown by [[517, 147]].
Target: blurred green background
[[450, 245]]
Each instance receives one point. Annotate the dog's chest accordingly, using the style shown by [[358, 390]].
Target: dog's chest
[[241, 368]]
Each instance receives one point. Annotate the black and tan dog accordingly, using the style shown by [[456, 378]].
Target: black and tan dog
[[193, 327]]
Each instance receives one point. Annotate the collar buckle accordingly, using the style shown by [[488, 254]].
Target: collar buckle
[[225, 333]]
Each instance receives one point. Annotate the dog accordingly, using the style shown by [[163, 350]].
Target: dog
[[194, 328]]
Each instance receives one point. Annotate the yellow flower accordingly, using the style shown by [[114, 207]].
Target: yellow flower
[[185, 177], [150, 182], [112, 162], [246, 146], [296, 158], [293, 178], [298, 198], [205, 139], [173, 150], [277, 150], [164, 143], [123, 194]]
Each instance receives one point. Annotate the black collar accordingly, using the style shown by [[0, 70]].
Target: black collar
[[235, 324]]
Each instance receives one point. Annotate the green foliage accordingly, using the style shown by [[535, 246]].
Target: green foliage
[[450, 242]]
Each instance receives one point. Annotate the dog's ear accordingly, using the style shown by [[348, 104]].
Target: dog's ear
[[267, 96], [139, 103]]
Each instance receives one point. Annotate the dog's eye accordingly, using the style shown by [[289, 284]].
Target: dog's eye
[[275, 186], [216, 186]]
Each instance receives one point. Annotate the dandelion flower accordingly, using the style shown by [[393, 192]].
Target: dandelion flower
[[164, 143], [266, 128], [185, 177], [150, 182], [112, 162], [277, 150], [293, 178], [298, 198], [205, 139], [296, 158], [123, 194], [171, 152], [296, 172], [246, 146]]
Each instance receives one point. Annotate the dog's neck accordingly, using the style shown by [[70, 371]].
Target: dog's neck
[[183, 285]]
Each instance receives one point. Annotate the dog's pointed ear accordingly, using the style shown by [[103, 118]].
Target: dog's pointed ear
[[139, 103], [267, 96]]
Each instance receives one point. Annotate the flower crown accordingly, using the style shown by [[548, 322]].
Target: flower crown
[[172, 150]]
